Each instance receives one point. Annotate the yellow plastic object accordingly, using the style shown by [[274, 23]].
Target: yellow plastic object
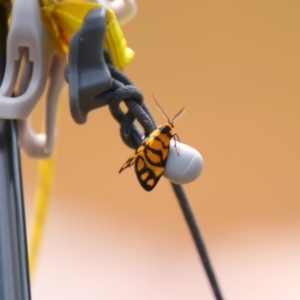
[[63, 18], [42, 199], [116, 43], [45, 181]]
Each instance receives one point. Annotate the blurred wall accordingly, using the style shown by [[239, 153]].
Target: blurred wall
[[235, 65]]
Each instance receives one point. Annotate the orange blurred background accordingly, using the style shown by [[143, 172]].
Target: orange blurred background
[[235, 65]]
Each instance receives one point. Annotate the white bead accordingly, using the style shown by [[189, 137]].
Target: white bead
[[185, 167]]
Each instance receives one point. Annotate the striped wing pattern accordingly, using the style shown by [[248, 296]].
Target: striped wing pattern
[[150, 159]]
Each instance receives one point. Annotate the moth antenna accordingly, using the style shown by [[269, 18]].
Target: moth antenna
[[161, 109], [179, 114]]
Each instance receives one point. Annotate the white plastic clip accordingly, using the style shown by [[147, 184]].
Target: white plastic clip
[[29, 42]]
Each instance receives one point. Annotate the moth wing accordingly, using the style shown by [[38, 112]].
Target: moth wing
[[132, 158], [150, 160], [147, 175], [128, 163]]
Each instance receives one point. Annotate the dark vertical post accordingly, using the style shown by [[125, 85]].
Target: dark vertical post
[[14, 273]]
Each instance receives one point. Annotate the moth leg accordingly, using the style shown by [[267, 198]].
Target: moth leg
[[175, 136]]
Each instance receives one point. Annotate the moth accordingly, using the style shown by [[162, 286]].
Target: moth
[[151, 156]]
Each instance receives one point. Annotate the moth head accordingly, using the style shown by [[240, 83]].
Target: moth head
[[166, 128]]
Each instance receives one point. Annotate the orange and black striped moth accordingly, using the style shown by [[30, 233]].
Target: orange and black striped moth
[[151, 156]]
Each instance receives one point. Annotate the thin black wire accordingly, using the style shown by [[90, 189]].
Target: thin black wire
[[132, 137], [195, 231]]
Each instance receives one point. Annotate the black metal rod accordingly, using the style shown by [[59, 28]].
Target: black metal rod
[[196, 234], [14, 275]]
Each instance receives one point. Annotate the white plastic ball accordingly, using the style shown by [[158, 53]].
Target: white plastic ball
[[185, 167]]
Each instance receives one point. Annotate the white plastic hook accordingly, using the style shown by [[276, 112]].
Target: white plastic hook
[[41, 144], [28, 40]]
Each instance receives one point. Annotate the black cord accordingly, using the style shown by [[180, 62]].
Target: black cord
[[133, 137], [123, 90], [192, 223]]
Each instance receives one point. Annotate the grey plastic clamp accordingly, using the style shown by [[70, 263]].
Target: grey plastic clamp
[[88, 74]]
